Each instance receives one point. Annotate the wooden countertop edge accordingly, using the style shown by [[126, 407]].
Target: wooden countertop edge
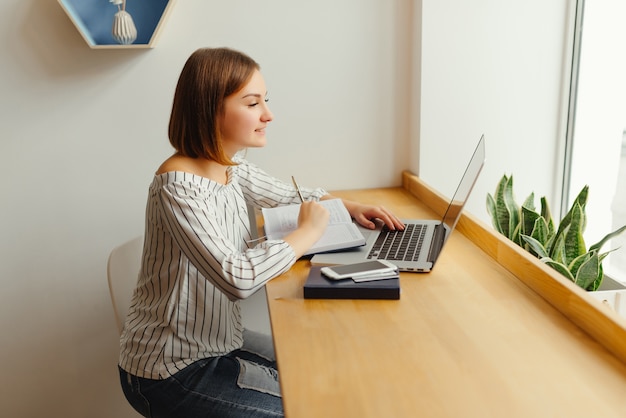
[[596, 319]]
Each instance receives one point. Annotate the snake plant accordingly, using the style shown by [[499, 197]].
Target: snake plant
[[561, 248]]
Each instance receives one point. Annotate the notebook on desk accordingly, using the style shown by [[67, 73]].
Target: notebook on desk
[[318, 286], [419, 245]]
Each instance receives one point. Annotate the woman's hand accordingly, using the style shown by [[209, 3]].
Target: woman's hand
[[365, 214], [312, 222], [313, 215]]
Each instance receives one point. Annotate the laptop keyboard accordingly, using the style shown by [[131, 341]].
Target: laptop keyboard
[[399, 245]]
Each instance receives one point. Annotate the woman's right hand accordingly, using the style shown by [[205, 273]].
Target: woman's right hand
[[312, 222], [313, 215]]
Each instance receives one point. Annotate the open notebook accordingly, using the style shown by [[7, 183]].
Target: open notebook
[[340, 234]]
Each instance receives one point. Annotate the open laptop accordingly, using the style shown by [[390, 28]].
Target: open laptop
[[419, 245]]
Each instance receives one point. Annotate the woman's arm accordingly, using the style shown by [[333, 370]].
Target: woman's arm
[[199, 228], [263, 190]]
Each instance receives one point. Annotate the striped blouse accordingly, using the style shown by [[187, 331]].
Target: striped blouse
[[197, 264]]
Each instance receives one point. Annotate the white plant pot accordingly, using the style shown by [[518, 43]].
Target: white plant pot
[[612, 293]]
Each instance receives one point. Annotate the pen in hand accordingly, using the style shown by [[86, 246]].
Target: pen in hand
[[297, 188]]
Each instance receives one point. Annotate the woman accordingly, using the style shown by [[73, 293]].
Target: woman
[[184, 352]]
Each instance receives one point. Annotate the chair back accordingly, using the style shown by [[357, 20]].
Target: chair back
[[122, 272]]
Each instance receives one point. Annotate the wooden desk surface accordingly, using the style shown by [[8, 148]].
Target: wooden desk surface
[[468, 339]]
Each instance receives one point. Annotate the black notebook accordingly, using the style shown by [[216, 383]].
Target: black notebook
[[317, 286]]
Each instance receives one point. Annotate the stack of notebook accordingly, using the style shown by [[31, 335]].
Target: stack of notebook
[[317, 286]]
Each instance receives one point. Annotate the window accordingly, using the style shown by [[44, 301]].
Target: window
[[596, 137]]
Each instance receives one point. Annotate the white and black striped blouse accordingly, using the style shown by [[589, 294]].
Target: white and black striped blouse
[[197, 264]]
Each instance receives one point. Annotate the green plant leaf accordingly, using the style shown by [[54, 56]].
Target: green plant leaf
[[515, 237], [537, 247], [557, 251], [529, 203], [491, 210], [589, 272], [575, 264], [547, 215], [603, 255], [527, 220], [512, 206], [541, 231], [503, 209], [596, 284], [574, 241], [502, 213], [603, 241], [507, 209], [581, 200], [558, 267]]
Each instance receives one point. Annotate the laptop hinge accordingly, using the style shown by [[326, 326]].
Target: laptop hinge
[[439, 238]]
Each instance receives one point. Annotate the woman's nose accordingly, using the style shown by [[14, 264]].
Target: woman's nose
[[267, 115]]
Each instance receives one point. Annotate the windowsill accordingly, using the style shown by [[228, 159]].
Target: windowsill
[[615, 274]]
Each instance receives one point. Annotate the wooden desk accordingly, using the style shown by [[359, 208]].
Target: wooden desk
[[470, 339]]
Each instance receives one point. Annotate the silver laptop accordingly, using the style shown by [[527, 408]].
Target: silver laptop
[[419, 245]]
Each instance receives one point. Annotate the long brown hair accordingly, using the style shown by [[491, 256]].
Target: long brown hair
[[209, 76]]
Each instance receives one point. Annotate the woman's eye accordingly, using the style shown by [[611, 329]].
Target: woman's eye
[[256, 103]]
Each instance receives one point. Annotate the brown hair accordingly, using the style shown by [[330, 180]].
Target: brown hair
[[209, 76]]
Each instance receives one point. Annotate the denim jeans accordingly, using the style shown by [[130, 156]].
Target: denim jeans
[[243, 383]]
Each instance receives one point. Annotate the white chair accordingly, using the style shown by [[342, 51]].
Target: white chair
[[122, 271], [123, 268]]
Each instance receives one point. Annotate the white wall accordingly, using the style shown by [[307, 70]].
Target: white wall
[[82, 130], [494, 67]]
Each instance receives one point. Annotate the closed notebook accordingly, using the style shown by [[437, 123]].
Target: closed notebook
[[317, 286]]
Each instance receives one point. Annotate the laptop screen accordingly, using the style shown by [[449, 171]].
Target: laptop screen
[[453, 213]]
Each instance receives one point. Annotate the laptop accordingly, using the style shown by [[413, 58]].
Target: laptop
[[416, 248]]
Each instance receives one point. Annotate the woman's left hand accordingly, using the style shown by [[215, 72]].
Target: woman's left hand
[[364, 215]]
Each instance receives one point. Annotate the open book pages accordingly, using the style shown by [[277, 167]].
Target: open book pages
[[341, 232]]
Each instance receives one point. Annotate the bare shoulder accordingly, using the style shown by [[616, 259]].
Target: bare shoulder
[[198, 166], [175, 163]]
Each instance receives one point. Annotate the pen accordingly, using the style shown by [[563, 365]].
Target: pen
[[297, 188]]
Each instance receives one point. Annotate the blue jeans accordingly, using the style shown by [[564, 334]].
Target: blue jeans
[[243, 383]]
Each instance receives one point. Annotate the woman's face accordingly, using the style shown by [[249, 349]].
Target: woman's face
[[246, 116]]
